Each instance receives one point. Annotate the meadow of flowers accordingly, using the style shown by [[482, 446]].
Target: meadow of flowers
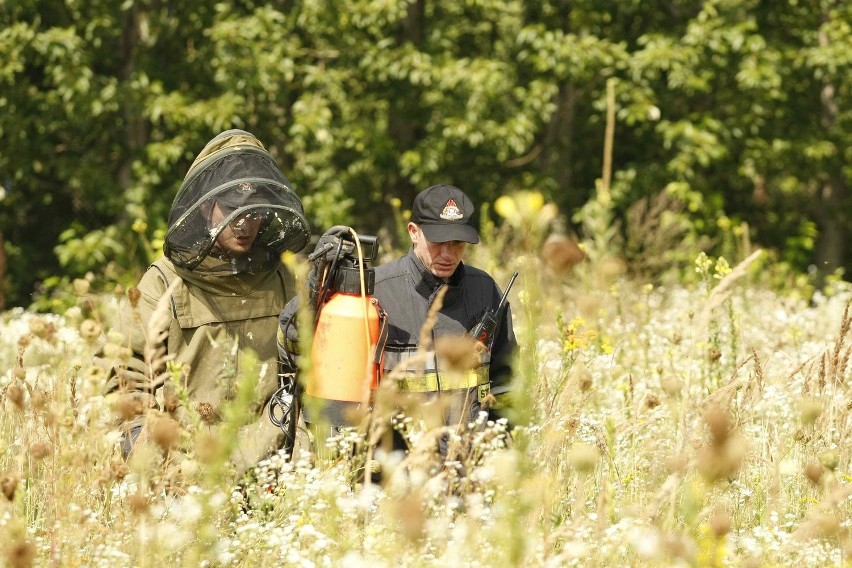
[[703, 423]]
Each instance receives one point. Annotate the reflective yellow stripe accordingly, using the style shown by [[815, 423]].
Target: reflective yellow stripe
[[449, 381]]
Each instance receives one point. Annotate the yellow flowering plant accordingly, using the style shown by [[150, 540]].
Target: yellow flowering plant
[[527, 215]]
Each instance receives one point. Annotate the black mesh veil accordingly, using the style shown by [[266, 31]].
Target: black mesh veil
[[234, 179]]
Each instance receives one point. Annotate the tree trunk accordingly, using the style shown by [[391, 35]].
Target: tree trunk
[[403, 122], [830, 253], [135, 125], [558, 154]]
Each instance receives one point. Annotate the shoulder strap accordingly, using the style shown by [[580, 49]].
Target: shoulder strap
[[166, 280]]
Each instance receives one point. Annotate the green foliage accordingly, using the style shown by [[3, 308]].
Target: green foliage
[[732, 107]]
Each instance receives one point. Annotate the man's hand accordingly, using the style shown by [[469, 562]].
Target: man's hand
[[498, 405], [328, 243], [324, 254]]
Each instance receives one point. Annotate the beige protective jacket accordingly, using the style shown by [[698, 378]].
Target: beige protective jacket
[[205, 323]]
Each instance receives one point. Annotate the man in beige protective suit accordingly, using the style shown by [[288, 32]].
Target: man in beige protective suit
[[214, 295]]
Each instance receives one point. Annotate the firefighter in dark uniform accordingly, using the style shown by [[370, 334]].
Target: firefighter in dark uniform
[[440, 229], [431, 275]]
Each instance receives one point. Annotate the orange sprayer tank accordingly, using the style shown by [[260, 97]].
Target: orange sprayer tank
[[342, 366]]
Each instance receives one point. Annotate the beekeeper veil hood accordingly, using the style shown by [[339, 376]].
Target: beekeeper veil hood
[[235, 211]]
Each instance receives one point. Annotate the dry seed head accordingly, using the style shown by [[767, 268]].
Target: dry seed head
[[561, 253], [713, 354], [652, 401], [709, 465], [138, 503], [20, 373], [39, 450], [38, 399], [716, 463], [25, 340], [675, 464], [718, 424], [51, 419], [15, 395], [165, 432], [814, 472], [720, 523], [118, 470], [128, 406], [459, 353], [21, 554], [170, 401], [572, 424], [118, 291], [8, 484], [207, 447], [133, 294], [206, 412]]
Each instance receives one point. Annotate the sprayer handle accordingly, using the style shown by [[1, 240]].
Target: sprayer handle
[[370, 241]]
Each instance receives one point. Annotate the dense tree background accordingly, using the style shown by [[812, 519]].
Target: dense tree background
[[730, 114]]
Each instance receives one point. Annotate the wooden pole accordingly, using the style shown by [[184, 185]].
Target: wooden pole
[[609, 137]]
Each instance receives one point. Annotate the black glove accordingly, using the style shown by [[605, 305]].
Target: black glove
[[328, 243], [324, 254]]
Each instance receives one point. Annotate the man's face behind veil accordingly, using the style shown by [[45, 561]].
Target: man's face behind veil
[[238, 237]]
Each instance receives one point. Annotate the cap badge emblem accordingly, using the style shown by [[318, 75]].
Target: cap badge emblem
[[451, 211]]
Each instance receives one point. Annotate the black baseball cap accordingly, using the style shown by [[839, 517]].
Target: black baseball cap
[[445, 213]]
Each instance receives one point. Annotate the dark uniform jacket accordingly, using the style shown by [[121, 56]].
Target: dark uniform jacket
[[406, 290]]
